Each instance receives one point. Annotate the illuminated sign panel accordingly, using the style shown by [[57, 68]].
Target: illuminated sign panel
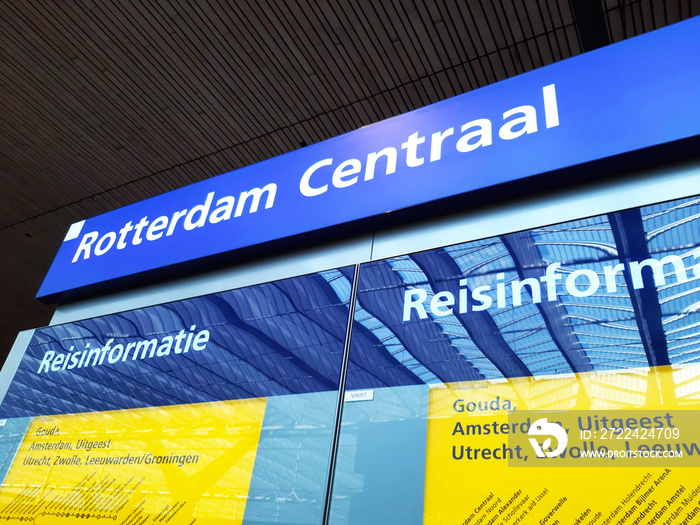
[[202, 410], [495, 381], [632, 95], [515, 376]]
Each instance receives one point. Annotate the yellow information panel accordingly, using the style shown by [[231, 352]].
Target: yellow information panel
[[174, 465], [483, 466]]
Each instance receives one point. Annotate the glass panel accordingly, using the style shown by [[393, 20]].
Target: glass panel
[[215, 409], [594, 316]]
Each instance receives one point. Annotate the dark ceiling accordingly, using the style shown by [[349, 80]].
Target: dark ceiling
[[106, 103]]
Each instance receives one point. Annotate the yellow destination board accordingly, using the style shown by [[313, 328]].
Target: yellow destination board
[[483, 469], [174, 465]]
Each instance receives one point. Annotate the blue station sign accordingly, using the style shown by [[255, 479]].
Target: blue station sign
[[632, 95]]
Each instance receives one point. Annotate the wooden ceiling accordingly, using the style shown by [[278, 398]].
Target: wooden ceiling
[[106, 103]]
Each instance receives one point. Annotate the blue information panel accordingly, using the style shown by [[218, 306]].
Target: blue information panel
[[272, 339], [632, 95], [596, 318], [216, 409], [598, 294]]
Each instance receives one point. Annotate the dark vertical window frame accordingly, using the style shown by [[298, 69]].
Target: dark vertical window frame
[[341, 397]]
